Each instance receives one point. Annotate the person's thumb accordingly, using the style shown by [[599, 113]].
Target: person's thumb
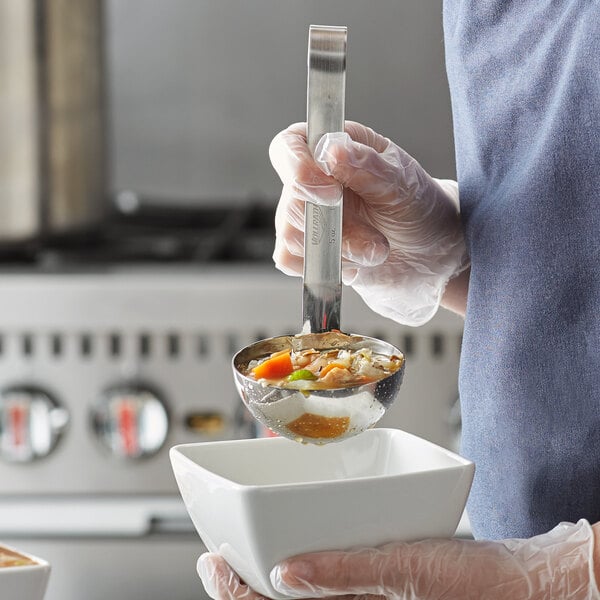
[[326, 574], [356, 166]]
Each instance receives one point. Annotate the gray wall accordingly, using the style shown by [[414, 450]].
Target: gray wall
[[199, 87]]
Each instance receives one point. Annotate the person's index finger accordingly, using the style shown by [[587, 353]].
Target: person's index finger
[[366, 135]]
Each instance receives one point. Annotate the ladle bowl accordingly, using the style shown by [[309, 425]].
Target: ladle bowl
[[317, 416]]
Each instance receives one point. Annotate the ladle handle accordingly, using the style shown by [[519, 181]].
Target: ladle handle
[[322, 286]]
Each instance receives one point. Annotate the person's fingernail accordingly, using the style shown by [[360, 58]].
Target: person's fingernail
[[375, 254], [206, 570], [367, 253], [301, 570], [292, 578]]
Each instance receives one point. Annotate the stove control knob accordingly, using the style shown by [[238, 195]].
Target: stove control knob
[[131, 422], [31, 423]]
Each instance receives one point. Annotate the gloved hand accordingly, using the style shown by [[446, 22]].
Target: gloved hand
[[557, 565], [402, 239]]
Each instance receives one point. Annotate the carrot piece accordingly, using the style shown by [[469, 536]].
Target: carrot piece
[[277, 366], [330, 367]]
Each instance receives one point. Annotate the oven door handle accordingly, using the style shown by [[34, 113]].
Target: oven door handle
[[92, 517]]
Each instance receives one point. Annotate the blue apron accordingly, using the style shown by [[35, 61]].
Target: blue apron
[[524, 78]]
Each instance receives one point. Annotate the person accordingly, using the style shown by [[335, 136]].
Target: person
[[519, 259]]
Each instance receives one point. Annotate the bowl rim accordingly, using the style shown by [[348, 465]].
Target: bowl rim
[[39, 562], [176, 454]]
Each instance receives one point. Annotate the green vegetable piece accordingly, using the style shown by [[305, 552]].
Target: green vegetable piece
[[301, 374]]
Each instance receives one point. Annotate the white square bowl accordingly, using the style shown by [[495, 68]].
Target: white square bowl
[[26, 582], [259, 501]]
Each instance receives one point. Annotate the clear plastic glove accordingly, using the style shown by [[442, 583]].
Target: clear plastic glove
[[555, 565], [402, 239]]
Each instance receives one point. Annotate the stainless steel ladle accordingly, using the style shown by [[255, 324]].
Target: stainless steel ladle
[[348, 411]]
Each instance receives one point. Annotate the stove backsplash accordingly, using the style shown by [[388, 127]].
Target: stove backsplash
[[198, 88]]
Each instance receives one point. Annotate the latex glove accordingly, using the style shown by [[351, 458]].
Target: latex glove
[[402, 239], [555, 565]]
